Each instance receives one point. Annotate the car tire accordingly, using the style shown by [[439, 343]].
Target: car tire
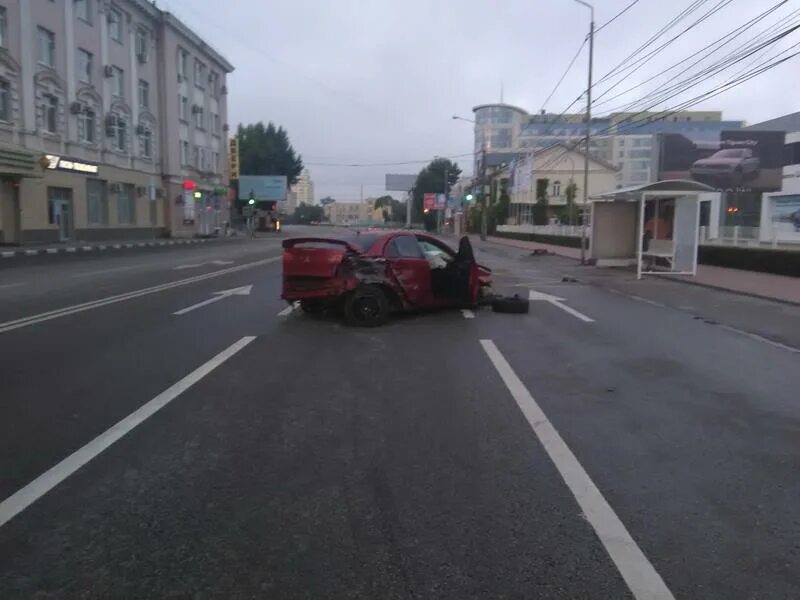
[[366, 306], [511, 305], [313, 306]]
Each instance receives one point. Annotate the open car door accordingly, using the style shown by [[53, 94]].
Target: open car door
[[458, 282]]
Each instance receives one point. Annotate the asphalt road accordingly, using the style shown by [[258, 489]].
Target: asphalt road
[[623, 440]]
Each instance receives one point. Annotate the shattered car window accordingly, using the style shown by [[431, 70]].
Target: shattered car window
[[364, 241]]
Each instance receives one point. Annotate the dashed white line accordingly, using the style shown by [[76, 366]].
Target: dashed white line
[[468, 314], [637, 571], [22, 499], [114, 270], [648, 301], [10, 285], [288, 310]]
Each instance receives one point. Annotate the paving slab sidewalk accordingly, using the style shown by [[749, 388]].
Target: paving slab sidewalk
[[752, 283]]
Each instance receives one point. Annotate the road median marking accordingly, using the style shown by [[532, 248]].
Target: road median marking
[[637, 571], [559, 303], [70, 310], [22, 499]]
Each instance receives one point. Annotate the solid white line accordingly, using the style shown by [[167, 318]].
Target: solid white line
[[104, 271], [22, 499], [573, 312], [468, 314], [642, 579], [69, 310], [762, 339], [10, 285], [287, 311]]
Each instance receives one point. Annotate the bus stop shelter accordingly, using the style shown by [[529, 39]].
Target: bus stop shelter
[[653, 226]]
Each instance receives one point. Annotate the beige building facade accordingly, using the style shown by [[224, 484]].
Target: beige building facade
[[86, 135]]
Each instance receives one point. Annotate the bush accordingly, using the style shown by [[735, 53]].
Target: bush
[[765, 260], [555, 240]]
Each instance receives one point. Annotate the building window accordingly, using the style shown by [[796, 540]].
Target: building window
[[117, 81], [183, 108], [198, 117], [50, 113], [146, 143], [126, 204], [5, 100], [117, 130], [216, 162], [84, 66], [96, 202], [213, 84], [142, 45], [3, 23], [196, 158], [144, 94], [183, 64], [556, 188], [184, 153], [215, 123], [115, 25], [46, 43], [83, 10], [87, 123], [199, 74], [203, 165]]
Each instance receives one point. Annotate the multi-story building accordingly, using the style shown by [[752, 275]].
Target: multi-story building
[[354, 213], [301, 192], [86, 131], [625, 140]]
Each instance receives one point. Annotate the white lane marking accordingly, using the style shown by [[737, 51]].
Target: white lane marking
[[556, 301], [640, 575], [239, 291], [31, 252], [759, 338], [69, 310], [10, 285], [468, 314], [288, 310], [221, 262], [23, 498], [114, 270], [648, 301], [71, 249], [52, 251], [192, 266], [8, 254]]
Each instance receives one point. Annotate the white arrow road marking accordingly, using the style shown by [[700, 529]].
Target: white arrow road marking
[[239, 291], [22, 499], [556, 301], [643, 580], [289, 309]]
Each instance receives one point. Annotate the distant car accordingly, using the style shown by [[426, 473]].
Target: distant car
[[369, 275], [732, 165]]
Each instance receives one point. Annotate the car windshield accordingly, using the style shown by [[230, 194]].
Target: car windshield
[[400, 299]]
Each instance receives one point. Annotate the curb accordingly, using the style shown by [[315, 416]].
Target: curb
[[96, 247]]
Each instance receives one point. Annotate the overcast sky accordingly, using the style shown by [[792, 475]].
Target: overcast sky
[[357, 81]]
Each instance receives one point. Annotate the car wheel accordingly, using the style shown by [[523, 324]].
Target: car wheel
[[313, 306], [511, 304], [366, 306]]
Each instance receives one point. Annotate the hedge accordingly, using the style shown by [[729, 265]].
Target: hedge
[[765, 260], [555, 240]]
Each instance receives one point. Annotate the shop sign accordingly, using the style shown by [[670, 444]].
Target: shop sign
[[73, 165]]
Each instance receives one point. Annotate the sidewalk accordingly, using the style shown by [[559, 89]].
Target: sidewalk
[[70, 248], [751, 283]]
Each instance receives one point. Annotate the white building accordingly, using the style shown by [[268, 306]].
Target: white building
[[301, 192]]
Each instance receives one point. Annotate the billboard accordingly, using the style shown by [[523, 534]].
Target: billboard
[[429, 201], [262, 187], [740, 161], [396, 182], [785, 215]]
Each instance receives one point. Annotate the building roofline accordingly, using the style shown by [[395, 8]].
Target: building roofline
[[171, 20], [594, 159], [147, 7], [503, 104]]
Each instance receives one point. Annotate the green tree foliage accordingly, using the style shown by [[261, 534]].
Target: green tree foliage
[[267, 151], [306, 213], [431, 179], [394, 211], [571, 191], [540, 208]]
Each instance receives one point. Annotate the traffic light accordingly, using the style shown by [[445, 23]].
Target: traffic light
[[469, 198], [252, 199]]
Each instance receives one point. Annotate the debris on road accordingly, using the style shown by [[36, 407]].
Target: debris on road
[[511, 305]]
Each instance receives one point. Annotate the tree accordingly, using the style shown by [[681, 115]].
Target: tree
[[267, 151], [431, 179], [393, 210], [306, 213], [540, 209], [570, 192], [327, 200]]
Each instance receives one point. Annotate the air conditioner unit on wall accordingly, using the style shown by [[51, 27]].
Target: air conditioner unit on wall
[[142, 57], [108, 71], [226, 127], [196, 108], [75, 108]]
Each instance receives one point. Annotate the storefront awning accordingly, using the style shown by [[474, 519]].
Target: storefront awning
[[17, 162]]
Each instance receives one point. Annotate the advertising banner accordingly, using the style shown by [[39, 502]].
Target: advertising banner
[[262, 187], [740, 161], [785, 213], [441, 201], [429, 201]]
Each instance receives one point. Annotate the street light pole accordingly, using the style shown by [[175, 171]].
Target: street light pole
[[588, 131]]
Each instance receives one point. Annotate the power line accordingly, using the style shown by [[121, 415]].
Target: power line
[[616, 16], [389, 164], [564, 74]]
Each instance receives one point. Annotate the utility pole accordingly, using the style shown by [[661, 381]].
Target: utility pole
[[485, 210], [588, 132], [409, 203]]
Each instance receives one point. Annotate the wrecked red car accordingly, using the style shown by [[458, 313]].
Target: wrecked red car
[[369, 275]]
